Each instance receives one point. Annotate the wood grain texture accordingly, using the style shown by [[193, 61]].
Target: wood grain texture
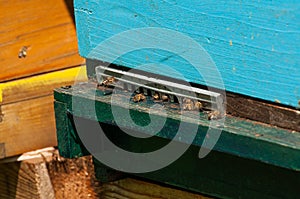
[[241, 106], [39, 85], [137, 189], [48, 31], [47, 177], [74, 178], [28, 125], [24, 180], [253, 44], [26, 110]]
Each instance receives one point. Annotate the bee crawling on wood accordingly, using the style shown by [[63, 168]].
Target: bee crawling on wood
[[23, 52], [108, 81], [139, 97], [214, 115]]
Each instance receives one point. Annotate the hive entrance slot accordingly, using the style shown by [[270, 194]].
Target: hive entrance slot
[[191, 98]]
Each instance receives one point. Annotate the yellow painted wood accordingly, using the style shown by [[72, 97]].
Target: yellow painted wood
[[27, 113], [40, 85]]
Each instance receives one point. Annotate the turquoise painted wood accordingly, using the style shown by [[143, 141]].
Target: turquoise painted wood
[[254, 44]]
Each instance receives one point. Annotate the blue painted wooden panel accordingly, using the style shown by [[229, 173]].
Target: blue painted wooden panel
[[254, 44]]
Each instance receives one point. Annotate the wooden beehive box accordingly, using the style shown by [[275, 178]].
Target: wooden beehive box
[[38, 53], [254, 46]]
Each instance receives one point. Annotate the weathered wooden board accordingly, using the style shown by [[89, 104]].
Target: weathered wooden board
[[255, 45], [137, 189], [28, 179], [27, 112], [47, 29], [39, 85], [23, 127]]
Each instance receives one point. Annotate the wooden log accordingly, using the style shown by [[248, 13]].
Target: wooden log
[[252, 43], [47, 31]]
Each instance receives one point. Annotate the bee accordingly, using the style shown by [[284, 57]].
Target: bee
[[155, 96], [214, 115], [198, 105], [139, 97], [188, 104], [164, 98], [23, 52], [108, 81]]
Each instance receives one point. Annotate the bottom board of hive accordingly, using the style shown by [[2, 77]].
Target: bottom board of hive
[[250, 160]]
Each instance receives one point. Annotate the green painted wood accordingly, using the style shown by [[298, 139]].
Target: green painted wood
[[240, 137], [254, 44], [242, 164], [223, 176], [69, 144]]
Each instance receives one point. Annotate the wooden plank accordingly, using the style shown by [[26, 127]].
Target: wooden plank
[[26, 110], [242, 106], [138, 189], [28, 125], [40, 85], [48, 31], [253, 44]]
